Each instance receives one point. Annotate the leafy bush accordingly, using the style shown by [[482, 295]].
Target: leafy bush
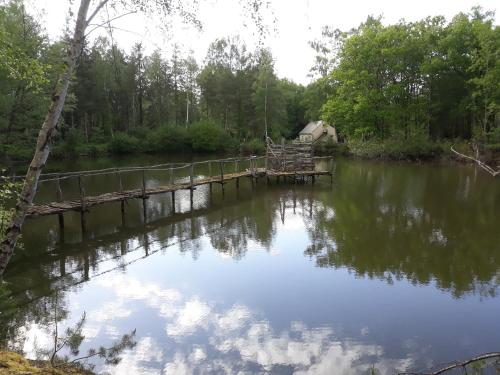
[[414, 148], [167, 138], [72, 140], [331, 148], [253, 147], [208, 137], [123, 143]]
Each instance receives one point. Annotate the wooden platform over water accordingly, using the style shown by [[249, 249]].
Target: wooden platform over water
[[190, 182]]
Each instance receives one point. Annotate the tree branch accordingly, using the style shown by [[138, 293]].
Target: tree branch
[[110, 20], [478, 162], [96, 10], [456, 365]]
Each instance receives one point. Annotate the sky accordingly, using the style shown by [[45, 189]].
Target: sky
[[296, 23]]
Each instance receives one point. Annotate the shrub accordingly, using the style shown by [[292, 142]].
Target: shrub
[[253, 147], [331, 148], [167, 138], [123, 143], [208, 137]]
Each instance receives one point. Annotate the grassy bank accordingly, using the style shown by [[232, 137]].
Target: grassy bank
[[412, 149], [13, 363]]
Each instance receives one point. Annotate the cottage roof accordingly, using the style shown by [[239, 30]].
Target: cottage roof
[[309, 128]]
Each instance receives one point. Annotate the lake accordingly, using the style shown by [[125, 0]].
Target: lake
[[395, 266]]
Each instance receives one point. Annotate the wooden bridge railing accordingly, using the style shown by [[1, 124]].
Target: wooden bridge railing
[[180, 176]]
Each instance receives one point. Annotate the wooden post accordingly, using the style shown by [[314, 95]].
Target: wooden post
[[237, 170], [210, 174], [59, 199], [86, 267], [143, 185], [331, 171], [173, 191], [144, 207], [283, 155], [146, 244], [82, 203], [191, 179], [122, 202], [252, 170], [294, 168], [221, 167]]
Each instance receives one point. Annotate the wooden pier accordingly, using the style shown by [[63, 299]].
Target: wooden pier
[[217, 174]]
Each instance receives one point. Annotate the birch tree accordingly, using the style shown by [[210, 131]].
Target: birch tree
[[87, 13]]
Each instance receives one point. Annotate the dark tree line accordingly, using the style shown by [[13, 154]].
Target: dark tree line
[[411, 84], [118, 100]]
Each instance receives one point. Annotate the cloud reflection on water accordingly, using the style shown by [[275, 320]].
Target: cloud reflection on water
[[233, 340]]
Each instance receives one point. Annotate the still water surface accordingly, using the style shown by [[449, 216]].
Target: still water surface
[[395, 265]]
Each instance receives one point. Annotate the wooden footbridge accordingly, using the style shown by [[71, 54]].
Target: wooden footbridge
[[250, 167]]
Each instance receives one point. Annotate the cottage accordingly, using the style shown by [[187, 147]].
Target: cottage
[[318, 131]]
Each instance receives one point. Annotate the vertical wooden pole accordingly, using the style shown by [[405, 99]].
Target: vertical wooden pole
[[146, 244], [86, 267], [221, 167], [210, 174], [59, 199], [294, 200], [294, 168], [331, 171], [191, 180], [62, 265], [143, 184], [283, 155], [237, 170], [252, 172], [144, 206], [122, 202], [173, 191], [83, 207]]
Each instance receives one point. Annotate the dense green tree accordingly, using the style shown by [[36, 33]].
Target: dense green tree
[[425, 78]]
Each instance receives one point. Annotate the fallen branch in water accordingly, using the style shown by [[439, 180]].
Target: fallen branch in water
[[456, 365], [478, 162]]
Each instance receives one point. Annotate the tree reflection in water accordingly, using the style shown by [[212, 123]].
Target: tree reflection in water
[[428, 225]]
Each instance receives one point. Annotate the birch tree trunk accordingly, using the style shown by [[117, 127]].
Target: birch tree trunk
[[44, 139]]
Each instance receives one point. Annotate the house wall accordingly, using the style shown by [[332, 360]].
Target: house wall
[[305, 137]]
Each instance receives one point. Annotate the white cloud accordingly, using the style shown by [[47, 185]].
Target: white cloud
[[240, 332], [297, 23], [192, 316]]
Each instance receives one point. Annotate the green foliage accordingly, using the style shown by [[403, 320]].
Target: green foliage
[[208, 137], [9, 190], [402, 78], [253, 147], [123, 143], [416, 148], [331, 148], [168, 138], [71, 340]]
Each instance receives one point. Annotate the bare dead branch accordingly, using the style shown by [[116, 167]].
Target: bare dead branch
[[110, 20], [96, 10], [456, 365], [478, 162]]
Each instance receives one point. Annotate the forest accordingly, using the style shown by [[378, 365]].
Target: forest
[[406, 90]]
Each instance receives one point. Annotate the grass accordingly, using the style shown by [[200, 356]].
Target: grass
[[15, 364]]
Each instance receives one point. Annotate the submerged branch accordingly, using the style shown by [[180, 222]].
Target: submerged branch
[[478, 162], [456, 365]]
